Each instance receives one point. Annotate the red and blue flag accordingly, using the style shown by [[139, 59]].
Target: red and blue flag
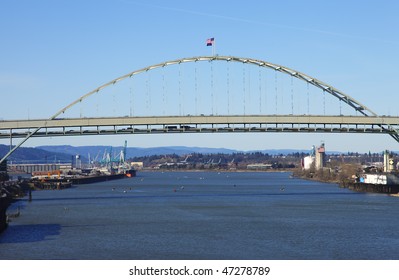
[[209, 42]]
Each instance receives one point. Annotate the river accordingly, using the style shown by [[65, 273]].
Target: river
[[205, 216]]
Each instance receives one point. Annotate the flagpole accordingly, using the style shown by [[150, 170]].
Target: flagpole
[[211, 42], [213, 47]]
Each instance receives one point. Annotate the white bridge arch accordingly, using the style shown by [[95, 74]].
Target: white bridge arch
[[356, 105]]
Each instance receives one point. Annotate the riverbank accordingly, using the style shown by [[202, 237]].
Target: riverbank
[[324, 176], [9, 191], [5, 201], [346, 178]]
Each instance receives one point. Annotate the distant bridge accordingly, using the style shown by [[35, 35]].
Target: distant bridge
[[224, 99]]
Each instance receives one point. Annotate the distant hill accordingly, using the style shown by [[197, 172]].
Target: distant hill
[[99, 151], [64, 153], [34, 155]]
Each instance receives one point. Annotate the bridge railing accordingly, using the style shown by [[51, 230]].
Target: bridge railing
[[199, 124]]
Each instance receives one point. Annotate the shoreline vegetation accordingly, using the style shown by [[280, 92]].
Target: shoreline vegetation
[[341, 174]]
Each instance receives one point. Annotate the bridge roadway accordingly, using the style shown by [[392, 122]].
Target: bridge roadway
[[198, 124]]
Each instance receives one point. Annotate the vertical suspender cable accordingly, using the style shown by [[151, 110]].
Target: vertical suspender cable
[[215, 90], [131, 102], [149, 91], [249, 87], [97, 103], [166, 96], [265, 92], [180, 105], [275, 85], [228, 88], [307, 84], [131, 95], [183, 108], [260, 90], [211, 85], [147, 102], [292, 95], [340, 107], [113, 99], [200, 90], [196, 90], [163, 90], [243, 87], [81, 110]]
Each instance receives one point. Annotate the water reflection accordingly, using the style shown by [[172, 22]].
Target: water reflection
[[30, 233]]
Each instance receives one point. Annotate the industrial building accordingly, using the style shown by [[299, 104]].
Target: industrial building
[[316, 158], [46, 167]]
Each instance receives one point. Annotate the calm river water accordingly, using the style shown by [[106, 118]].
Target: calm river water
[[204, 215]]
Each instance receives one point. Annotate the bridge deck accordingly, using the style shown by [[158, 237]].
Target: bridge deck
[[197, 124]]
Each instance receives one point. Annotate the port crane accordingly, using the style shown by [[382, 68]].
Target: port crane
[[112, 162]]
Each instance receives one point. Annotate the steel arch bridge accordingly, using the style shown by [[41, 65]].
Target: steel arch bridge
[[367, 122]]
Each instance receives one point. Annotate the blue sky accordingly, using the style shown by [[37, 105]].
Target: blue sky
[[52, 52]]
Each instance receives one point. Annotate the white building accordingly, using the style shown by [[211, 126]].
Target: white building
[[307, 162]]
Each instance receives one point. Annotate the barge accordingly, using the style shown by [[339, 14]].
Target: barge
[[79, 180], [387, 183], [60, 182], [373, 188]]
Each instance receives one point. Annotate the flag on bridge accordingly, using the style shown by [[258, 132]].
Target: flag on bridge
[[210, 41]]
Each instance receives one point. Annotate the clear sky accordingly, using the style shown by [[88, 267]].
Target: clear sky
[[52, 52]]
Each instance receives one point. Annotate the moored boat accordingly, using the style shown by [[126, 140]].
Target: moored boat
[[375, 183]]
